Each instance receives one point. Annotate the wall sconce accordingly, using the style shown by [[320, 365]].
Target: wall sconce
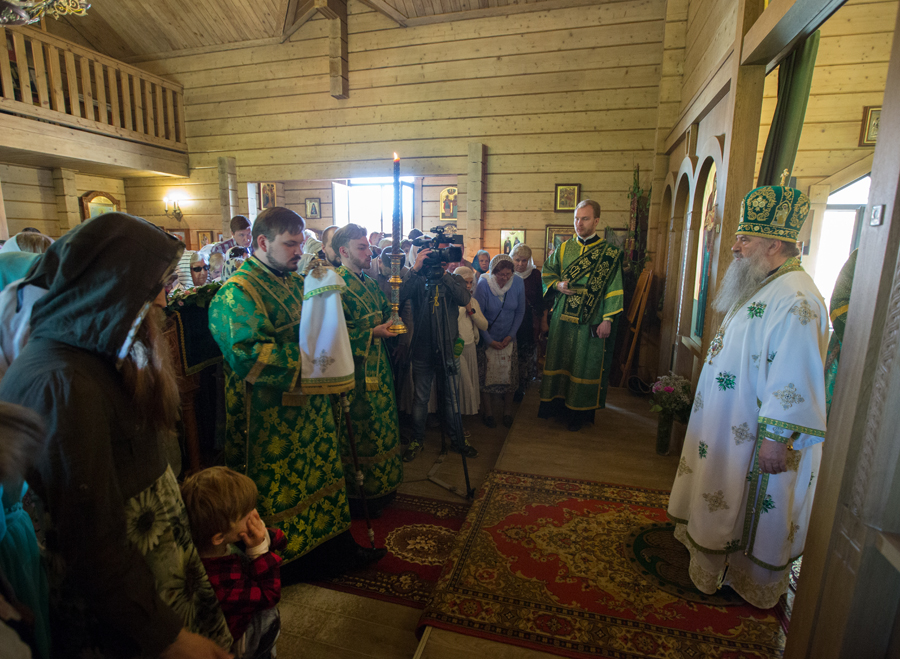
[[176, 208]]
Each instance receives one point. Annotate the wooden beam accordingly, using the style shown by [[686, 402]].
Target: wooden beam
[[338, 58], [388, 10], [491, 12], [781, 26], [286, 15], [68, 210], [34, 143], [850, 173], [305, 11]]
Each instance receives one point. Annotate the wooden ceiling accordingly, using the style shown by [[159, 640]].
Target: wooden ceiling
[[131, 30]]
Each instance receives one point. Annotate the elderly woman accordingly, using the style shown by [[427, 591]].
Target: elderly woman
[[501, 297], [193, 270], [481, 263], [471, 323], [530, 329]]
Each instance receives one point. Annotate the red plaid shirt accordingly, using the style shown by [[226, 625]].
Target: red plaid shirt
[[244, 587]]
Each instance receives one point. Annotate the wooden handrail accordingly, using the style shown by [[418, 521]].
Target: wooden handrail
[[70, 85]]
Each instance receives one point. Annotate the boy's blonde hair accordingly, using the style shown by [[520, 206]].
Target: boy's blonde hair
[[215, 499]]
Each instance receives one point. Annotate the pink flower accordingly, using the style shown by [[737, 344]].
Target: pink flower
[[669, 390]]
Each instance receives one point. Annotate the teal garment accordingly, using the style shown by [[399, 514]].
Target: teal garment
[[14, 266], [20, 563]]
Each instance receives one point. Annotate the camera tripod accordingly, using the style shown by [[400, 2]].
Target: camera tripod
[[447, 386]]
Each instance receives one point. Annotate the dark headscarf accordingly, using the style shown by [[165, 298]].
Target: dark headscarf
[[100, 278]]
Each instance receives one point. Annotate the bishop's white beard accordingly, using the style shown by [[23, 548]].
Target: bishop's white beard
[[740, 280]]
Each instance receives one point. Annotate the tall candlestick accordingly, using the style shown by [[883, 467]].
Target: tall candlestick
[[397, 325]]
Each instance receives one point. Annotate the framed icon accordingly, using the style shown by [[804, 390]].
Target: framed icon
[[509, 238], [313, 208], [183, 235], [448, 203], [96, 203], [204, 238], [557, 234], [567, 197], [871, 121], [267, 196]]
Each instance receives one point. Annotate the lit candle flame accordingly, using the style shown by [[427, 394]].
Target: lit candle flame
[[396, 157]]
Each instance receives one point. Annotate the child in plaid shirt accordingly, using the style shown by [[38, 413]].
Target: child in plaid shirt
[[221, 506]]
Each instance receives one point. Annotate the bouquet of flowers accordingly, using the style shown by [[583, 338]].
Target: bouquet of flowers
[[672, 396], [199, 296]]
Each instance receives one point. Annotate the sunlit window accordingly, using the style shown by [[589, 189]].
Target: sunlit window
[[369, 202]]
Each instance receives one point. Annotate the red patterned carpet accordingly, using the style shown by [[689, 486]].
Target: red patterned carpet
[[543, 563], [418, 534]]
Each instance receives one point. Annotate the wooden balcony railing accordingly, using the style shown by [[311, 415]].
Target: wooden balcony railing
[[73, 86]]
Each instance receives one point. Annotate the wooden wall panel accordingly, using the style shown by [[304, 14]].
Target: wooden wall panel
[[558, 96], [709, 38], [850, 73], [29, 199]]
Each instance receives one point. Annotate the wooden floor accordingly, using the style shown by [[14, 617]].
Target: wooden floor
[[619, 448]]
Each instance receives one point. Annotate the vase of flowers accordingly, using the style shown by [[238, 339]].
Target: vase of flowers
[[672, 400]]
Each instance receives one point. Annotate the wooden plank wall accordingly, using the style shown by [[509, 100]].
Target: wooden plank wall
[[710, 37], [557, 96], [851, 70], [30, 199]]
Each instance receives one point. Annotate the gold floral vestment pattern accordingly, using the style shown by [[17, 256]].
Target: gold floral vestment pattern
[[285, 441], [373, 408]]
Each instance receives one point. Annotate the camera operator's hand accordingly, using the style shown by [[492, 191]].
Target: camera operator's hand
[[382, 331], [505, 342], [563, 287], [497, 345], [420, 259]]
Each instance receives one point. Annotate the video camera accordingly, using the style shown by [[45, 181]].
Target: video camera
[[439, 255]]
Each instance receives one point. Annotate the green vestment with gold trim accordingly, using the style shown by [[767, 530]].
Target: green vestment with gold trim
[[373, 408], [285, 441], [577, 363]]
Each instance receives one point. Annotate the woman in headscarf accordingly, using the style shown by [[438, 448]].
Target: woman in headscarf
[[193, 270], [23, 435], [27, 241], [480, 264], [234, 260], [471, 322], [97, 369], [501, 297], [530, 329]]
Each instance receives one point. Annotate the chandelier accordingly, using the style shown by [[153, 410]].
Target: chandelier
[[23, 12]]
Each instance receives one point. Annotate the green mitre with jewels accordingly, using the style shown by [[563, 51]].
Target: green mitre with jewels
[[773, 211]]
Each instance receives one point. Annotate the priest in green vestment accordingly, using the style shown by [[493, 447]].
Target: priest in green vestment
[[285, 441], [373, 408], [583, 278]]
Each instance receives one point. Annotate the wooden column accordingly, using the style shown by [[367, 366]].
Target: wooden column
[[338, 67], [4, 225], [818, 199], [228, 194], [739, 152], [847, 600], [68, 209], [475, 198]]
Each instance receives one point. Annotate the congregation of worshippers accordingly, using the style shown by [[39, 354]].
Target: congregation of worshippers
[[133, 528]]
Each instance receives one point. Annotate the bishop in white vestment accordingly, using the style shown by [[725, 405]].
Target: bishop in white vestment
[[745, 483]]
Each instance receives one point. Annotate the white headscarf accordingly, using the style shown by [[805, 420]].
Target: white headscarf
[[185, 280], [529, 268], [496, 289]]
